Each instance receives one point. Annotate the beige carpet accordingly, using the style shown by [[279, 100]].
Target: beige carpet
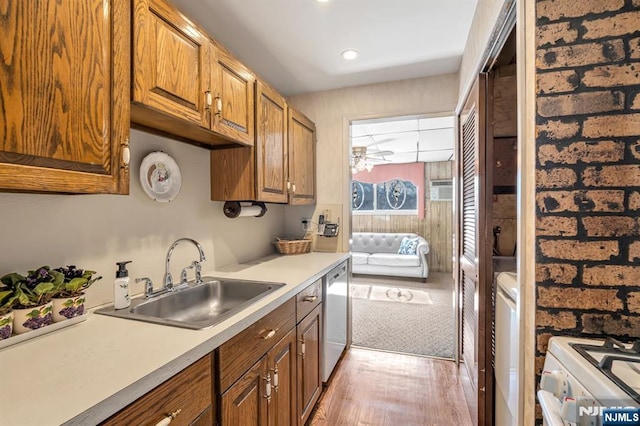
[[404, 315]]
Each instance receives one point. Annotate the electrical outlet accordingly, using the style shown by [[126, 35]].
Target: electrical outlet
[[306, 224]]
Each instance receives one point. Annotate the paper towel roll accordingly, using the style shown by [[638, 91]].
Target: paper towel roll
[[235, 209], [250, 211]]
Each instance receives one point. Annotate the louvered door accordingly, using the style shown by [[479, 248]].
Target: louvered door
[[474, 288]]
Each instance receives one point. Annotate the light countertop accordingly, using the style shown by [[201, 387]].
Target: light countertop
[[84, 373]]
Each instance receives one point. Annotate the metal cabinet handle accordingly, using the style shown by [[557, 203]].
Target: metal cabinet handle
[[275, 378], [310, 298], [293, 188], [208, 99], [218, 105], [303, 349], [270, 334], [267, 394], [169, 418], [126, 154]]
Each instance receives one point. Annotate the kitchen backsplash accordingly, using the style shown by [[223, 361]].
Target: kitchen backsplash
[[95, 231]]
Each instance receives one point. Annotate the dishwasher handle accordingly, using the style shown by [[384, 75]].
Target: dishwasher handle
[[341, 271]]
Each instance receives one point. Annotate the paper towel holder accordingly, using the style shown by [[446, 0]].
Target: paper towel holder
[[233, 209]]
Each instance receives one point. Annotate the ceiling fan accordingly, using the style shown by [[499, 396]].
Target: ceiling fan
[[361, 159]]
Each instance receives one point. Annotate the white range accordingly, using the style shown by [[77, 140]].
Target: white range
[[583, 379]]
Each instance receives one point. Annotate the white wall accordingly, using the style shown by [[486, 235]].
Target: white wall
[[95, 231], [332, 111], [484, 20]]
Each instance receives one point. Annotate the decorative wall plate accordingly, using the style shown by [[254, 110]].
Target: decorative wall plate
[[160, 176]]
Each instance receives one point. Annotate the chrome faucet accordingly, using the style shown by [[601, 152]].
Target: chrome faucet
[[168, 279]]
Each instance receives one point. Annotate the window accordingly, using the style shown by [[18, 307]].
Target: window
[[395, 196]]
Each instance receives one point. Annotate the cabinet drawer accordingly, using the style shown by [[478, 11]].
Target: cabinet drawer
[[308, 299], [188, 391], [243, 350]]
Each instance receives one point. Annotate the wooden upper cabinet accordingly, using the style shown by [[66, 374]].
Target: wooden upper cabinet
[[271, 145], [302, 159], [257, 173], [233, 114], [184, 85], [171, 62], [64, 96]]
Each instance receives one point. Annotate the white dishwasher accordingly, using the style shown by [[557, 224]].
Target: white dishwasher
[[336, 284], [507, 344]]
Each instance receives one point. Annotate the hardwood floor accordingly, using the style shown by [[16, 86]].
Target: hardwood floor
[[380, 388]]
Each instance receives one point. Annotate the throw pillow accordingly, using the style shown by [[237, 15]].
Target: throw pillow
[[408, 246]]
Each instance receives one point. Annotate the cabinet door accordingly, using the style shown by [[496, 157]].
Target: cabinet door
[[302, 159], [171, 63], [282, 366], [271, 145], [64, 96], [245, 403], [233, 105], [309, 355], [187, 394]]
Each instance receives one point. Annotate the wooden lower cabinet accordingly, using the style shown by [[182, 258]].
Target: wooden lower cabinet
[[188, 394], [282, 366], [245, 402], [266, 393], [309, 332]]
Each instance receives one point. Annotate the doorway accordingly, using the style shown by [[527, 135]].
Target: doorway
[[401, 171], [487, 240]]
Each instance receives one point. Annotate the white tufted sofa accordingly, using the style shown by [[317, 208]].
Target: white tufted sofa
[[376, 253]]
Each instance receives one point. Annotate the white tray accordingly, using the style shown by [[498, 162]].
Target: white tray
[[40, 331]]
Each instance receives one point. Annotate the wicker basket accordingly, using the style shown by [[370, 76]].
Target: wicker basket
[[286, 246]]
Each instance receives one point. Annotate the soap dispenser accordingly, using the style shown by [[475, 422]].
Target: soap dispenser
[[121, 286]]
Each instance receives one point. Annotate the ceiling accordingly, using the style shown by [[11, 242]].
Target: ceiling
[[295, 45], [408, 139]]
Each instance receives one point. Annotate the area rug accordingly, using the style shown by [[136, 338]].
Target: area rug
[[390, 294], [403, 315]]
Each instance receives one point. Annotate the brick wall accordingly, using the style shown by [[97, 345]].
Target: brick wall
[[588, 169]]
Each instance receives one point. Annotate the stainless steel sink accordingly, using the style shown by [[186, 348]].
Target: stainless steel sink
[[197, 306]]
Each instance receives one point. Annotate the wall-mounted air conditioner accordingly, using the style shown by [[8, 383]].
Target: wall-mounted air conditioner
[[442, 190]]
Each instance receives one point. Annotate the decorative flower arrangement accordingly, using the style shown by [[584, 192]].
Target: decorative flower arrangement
[[69, 297], [35, 289], [75, 282], [41, 297]]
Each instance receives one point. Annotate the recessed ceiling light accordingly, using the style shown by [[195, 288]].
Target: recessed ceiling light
[[350, 54], [323, 1]]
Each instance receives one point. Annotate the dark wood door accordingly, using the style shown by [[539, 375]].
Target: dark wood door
[[171, 64], [245, 403], [282, 367], [475, 287], [64, 96], [309, 356], [271, 145], [302, 159]]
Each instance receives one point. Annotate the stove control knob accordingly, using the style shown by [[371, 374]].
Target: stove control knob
[[569, 410], [556, 382], [588, 411]]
